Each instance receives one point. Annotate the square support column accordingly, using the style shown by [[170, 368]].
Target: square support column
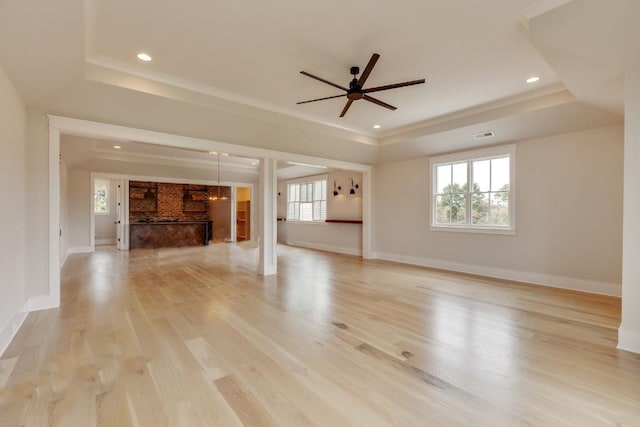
[[629, 332], [267, 191]]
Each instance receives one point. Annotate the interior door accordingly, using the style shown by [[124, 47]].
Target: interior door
[[120, 235]]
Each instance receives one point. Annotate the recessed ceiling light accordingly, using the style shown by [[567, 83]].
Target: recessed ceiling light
[[144, 57], [117, 147], [254, 163], [376, 126], [533, 79], [224, 154], [213, 153]]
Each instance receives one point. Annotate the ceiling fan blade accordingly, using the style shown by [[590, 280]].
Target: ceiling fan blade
[[324, 81], [393, 86], [321, 99], [346, 107], [380, 103], [367, 70]]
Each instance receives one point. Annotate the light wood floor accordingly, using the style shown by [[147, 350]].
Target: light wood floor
[[193, 337]]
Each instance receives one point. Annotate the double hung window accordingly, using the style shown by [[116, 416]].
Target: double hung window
[[307, 201], [474, 190]]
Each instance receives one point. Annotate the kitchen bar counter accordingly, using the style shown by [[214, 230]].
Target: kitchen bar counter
[[169, 234]]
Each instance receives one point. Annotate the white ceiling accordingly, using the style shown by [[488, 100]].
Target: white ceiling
[[470, 52], [126, 157], [229, 71]]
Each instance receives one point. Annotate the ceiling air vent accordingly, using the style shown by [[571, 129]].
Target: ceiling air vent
[[483, 135]]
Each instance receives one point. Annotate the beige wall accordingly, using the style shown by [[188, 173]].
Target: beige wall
[[568, 216], [37, 203], [64, 211], [243, 194], [79, 206], [13, 184]]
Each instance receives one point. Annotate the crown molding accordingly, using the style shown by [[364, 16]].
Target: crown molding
[[529, 101]]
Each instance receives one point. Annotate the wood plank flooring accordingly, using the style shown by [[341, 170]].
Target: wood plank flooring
[[194, 337]]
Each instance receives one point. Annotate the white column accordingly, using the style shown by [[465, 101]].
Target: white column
[[267, 204], [367, 226], [629, 332]]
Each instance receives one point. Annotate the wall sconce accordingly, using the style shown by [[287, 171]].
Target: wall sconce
[[353, 187], [336, 189]]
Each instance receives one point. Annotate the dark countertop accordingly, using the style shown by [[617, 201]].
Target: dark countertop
[[169, 222]]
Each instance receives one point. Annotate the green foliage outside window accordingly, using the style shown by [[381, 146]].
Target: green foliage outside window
[[101, 198]]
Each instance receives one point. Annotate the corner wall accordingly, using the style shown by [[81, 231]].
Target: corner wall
[[568, 216], [333, 237], [13, 187]]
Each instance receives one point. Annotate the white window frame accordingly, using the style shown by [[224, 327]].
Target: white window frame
[[308, 180], [469, 156], [107, 185]]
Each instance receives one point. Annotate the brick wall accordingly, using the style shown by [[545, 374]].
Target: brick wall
[[171, 204]]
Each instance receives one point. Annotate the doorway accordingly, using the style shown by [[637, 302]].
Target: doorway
[[243, 214]]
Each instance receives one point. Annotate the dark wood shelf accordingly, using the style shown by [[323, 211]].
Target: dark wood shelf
[[344, 221], [138, 201]]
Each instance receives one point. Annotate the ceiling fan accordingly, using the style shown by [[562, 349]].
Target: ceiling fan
[[356, 91]]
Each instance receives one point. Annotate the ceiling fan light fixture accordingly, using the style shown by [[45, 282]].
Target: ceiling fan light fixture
[[356, 90]]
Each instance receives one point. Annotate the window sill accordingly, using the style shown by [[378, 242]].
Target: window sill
[[102, 213], [474, 230], [295, 221]]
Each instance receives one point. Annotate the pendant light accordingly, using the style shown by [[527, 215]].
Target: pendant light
[[335, 189], [353, 187], [217, 196]]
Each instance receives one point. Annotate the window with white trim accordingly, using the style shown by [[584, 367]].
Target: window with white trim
[[474, 191], [307, 201], [101, 197]]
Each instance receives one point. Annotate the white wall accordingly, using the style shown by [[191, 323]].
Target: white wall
[[13, 185], [79, 208], [341, 238], [568, 215], [105, 224], [629, 332]]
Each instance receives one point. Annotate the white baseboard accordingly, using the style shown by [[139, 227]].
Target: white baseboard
[[628, 340], [11, 328], [42, 302], [80, 250], [105, 242], [328, 248], [590, 286]]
